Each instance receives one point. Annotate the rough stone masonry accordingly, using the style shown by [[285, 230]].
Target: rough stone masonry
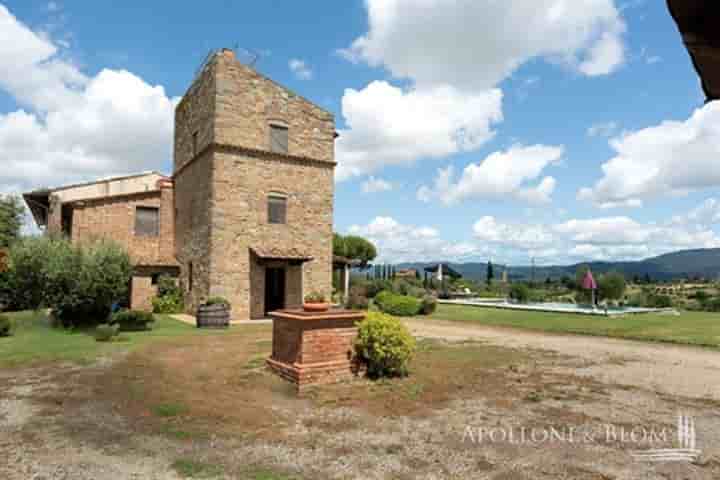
[[225, 172]]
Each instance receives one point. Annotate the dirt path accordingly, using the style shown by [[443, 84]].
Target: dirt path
[[674, 370]]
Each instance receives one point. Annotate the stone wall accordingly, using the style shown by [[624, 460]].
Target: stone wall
[[195, 114], [224, 187], [193, 202], [113, 218], [241, 188], [248, 103]]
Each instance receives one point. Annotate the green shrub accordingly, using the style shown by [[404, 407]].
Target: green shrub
[[701, 296], [659, 301], [315, 297], [408, 287], [357, 302], [712, 305], [170, 297], [217, 301], [105, 332], [428, 305], [132, 320], [376, 286], [520, 292], [399, 305], [611, 286], [167, 305], [6, 326], [167, 286], [80, 283], [384, 345]]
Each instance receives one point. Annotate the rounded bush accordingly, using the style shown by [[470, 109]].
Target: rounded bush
[[132, 320], [105, 332], [357, 302], [167, 304], [384, 345], [520, 292], [398, 305], [217, 301], [428, 305], [6, 326]]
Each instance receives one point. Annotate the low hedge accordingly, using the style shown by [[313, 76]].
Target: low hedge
[[428, 305], [132, 320], [398, 305], [6, 326], [105, 332], [384, 345], [217, 301], [168, 304]]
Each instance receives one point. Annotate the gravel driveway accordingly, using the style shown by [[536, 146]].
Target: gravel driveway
[[675, 370]]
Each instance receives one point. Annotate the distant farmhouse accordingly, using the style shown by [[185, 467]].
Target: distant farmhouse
[[246, 215]]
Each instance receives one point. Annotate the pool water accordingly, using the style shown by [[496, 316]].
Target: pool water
[[551, 307]]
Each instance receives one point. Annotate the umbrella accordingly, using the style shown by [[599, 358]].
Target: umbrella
[[589, 283]]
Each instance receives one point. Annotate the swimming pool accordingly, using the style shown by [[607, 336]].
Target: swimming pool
[[552, 307]]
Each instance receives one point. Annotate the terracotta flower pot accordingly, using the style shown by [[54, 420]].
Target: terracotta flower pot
[[316, 307]]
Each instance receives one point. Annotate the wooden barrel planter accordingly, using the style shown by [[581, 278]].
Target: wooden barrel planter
[[213, 316]]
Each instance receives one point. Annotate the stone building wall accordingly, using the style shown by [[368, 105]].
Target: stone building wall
[[248, 103], [193, 190], [241, 188], [226, 184], [195, 114], [113, 218]]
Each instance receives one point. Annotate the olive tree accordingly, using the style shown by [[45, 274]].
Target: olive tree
[[612, 286]]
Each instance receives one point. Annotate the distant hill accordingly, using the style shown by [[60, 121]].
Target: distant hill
[[703, 263]]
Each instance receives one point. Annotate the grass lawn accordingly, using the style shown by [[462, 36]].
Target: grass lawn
[[35, 341], [693, 328]]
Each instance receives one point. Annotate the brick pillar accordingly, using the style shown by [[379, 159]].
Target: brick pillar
[[143, 292], [167, 220], [314, 348]]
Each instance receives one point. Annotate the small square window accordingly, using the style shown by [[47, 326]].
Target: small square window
[[194, 144], [277, 209], [147, 221], [278, 139]]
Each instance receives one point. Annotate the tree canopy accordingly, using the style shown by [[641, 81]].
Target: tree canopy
[[11, 219], [612, 286], [354, 248]]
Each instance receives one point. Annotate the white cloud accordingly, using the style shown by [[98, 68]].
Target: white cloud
[[588, 252], [387, 125], [616, 232], [672, 158], [605, 230], [575, 240], [376, 185], [603, 129], [397, 242], [475, 44], [301, 69], [707, 214], [510, 173], [605, 55], [513, 235], [73, 126]]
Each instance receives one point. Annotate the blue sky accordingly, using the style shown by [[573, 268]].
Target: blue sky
[[469, 129]]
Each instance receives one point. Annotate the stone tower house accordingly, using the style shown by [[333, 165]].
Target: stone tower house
[[254, 179]]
